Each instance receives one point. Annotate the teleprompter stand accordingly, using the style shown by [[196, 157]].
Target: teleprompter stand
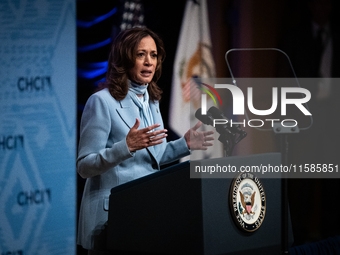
[[283, 132]]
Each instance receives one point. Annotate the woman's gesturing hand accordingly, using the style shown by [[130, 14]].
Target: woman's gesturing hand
[[143, 138], [198, 140]]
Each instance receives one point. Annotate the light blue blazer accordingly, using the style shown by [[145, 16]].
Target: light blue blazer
[[103, 154]]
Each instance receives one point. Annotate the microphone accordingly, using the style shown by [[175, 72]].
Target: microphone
[[206, 119], [230, 135], [223, 129], [218, 114], [235, 129]]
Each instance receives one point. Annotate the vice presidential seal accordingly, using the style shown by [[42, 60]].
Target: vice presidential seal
[[247, 201]]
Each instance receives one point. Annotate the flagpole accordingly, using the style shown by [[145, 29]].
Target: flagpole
[[199, 2]]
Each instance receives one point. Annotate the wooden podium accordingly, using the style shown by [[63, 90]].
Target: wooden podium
[[170, 213]]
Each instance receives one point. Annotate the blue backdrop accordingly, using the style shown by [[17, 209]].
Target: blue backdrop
[[37, 127]]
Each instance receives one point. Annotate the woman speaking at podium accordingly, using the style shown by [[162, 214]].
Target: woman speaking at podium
[[122, 137]]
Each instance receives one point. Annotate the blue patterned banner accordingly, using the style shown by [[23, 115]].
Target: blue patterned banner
[[37, 127]]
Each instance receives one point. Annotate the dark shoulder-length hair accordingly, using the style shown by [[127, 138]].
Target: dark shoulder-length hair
[[122, 58]]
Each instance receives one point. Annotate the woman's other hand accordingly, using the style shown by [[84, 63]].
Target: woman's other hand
[[198, 140]]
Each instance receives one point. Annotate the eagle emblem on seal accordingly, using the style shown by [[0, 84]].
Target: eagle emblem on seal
[[247, 197], [248, 205]]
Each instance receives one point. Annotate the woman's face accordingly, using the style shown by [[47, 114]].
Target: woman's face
[[146, 61]]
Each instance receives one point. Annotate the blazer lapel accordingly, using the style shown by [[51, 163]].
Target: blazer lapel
[[129, 112], [157, 118]]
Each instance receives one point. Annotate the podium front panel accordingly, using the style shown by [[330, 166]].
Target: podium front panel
[[170, 213]]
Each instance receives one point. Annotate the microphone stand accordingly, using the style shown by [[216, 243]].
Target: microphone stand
[[229, 139], [230, 135]]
